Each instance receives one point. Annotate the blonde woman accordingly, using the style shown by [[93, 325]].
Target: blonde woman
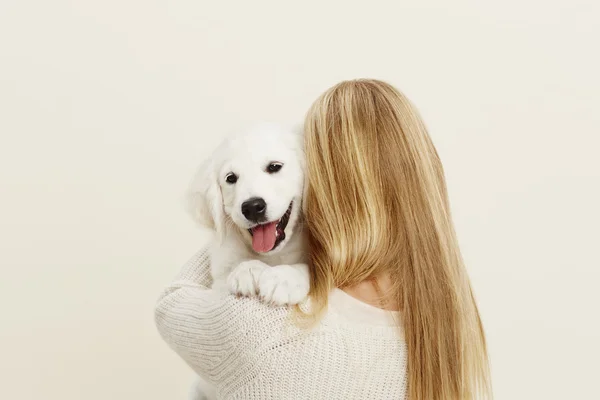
[[392, 309]]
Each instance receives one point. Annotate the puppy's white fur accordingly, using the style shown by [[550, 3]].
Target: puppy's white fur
[[279, 276]]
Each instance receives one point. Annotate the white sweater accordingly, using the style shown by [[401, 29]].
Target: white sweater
[[250, 350]]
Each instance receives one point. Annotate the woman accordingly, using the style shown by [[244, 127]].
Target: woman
[[396, 315]]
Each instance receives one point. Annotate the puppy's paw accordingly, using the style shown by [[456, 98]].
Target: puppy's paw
[[284, 284], [245, 277]]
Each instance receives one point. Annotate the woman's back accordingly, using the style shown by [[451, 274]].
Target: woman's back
[[251, 350]]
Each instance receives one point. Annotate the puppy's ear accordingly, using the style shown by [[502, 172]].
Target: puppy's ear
[[204, 200]]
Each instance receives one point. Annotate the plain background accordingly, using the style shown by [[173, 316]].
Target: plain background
[[107, 107]]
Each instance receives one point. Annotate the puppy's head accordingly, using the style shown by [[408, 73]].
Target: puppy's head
[[253, 184]]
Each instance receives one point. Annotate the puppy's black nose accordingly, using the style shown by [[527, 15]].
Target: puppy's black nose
[[254, 209]]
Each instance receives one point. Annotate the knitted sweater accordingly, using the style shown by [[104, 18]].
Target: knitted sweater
[[251, 350]]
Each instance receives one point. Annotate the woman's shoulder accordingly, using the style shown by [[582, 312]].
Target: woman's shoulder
[[226, 339], [254, 323], [351, 341]]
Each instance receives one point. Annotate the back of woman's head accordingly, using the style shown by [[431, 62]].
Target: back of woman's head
[[376, 205]]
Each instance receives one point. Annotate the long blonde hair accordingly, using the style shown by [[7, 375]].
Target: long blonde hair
[[376, 205]]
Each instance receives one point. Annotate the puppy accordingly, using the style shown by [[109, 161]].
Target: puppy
[[250, 194]]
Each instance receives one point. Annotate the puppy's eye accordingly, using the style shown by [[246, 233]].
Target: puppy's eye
[[231, 178], [274, 167]]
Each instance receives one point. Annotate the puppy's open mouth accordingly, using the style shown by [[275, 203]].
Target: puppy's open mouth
[[267, 236]]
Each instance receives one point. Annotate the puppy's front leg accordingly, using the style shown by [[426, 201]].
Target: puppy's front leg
[[244, 279], [284, 284]]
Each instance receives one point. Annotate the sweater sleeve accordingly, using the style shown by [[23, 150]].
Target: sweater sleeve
[[213, 332], [187, 319]]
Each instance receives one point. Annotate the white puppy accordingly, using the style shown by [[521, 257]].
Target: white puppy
[[250, 194]]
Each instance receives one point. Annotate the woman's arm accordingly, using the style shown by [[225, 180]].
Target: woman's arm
[[189, 316], [216, 334]]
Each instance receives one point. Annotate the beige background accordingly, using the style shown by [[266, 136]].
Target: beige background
[[106, 107]]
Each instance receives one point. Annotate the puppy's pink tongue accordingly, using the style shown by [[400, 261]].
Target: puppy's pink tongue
[[263, 237]]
